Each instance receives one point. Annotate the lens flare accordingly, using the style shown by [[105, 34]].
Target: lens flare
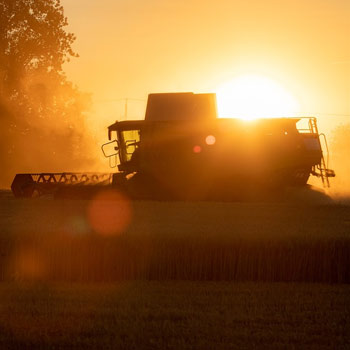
[[29, 264], [197, 149], [210, 140], [109, 213]]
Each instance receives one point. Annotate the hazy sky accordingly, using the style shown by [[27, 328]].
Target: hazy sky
[[129, 48]]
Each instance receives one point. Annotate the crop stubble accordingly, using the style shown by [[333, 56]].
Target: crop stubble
[[175, 315]]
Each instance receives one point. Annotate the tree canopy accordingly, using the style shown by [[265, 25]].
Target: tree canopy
[[32, 40], [41, 112]]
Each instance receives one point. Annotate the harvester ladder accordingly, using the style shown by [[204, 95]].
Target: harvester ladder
[[323, 171]]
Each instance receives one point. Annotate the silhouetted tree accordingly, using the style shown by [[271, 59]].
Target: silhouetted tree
[[39, 108]]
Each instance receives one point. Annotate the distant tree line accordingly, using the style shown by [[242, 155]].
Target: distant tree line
[[41, 112]]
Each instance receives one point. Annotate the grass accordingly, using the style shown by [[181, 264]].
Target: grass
[[174, 315]]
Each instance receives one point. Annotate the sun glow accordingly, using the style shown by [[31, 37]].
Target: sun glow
[[250, 97]]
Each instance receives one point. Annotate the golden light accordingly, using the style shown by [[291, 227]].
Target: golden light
[[251, 96]]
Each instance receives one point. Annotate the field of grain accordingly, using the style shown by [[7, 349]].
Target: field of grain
[[88, 241], [87, 274]]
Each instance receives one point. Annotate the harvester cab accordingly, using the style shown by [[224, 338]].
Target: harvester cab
[[123, 145]]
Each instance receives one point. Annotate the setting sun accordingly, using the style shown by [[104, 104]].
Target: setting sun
[[251, 96]]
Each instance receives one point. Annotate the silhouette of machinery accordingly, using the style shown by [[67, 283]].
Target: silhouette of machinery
[[182, 150]]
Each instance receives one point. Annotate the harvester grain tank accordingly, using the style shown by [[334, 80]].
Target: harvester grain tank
[[182, 150]]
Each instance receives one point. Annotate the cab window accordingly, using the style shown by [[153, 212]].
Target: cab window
[[132, 140]]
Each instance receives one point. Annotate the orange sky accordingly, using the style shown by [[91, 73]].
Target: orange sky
[[129, 48]]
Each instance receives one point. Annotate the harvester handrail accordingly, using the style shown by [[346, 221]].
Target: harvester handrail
[[312, 125]]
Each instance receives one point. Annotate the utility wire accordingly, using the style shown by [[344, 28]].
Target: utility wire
[[324, 114], [333, 114], [119, 100]]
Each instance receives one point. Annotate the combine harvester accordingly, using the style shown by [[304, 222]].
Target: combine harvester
[[183, 151]]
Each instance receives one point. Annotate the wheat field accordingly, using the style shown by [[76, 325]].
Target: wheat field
[[174, 275], [57, 240]]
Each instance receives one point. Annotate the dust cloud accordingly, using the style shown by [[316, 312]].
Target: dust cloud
[[47, 136], [340, 162]]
